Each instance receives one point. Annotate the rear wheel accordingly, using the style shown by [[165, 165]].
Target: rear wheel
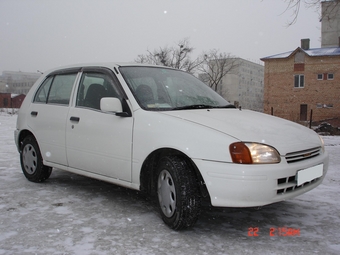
[[178, 192], [32, 162]]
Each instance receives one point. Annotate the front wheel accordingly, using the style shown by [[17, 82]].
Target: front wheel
[[31, 161], [178, 192]]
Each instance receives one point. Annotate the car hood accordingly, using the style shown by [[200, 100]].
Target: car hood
[[250, 126]]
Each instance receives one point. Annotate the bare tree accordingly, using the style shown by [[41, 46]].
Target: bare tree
[[211, 66], [178, 57], [215, 66], [294, 6]]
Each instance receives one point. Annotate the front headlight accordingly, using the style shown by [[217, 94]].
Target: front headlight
[[253, 153]]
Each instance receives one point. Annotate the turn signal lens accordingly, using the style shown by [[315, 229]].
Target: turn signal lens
[[240, 153]]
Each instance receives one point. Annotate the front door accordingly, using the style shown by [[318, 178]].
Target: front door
[[96, 141]]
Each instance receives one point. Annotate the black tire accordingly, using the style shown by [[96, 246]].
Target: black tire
[[178, 193], [31, 161]]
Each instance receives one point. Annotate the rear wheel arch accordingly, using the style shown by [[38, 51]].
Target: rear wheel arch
[[31, 160], [23, 134]]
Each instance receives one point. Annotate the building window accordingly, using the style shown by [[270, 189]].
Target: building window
[[319, 105], [299, 81], [325, 76]]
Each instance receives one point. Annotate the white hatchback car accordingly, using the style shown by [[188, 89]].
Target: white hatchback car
[[163, 131]]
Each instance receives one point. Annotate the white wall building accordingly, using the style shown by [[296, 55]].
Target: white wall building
[[244, 85], [17, 82], [330, 24]]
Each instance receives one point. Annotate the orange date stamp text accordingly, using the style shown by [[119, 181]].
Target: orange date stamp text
[[281, 231]]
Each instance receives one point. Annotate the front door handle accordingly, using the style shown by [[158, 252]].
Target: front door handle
[[75, 119], [34, 113]]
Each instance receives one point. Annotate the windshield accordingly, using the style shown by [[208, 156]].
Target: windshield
[[161, 89]]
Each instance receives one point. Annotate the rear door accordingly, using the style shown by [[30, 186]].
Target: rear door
[[99, 142], [48, 114]]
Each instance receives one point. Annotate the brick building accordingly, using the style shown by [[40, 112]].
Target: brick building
[[5, 100], [8, 100], [17, 100], [305, 82]]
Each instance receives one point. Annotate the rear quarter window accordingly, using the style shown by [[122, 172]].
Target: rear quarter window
[[56, 89], [41, 96]]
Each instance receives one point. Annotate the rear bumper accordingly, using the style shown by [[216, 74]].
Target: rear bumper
[[237, 185]]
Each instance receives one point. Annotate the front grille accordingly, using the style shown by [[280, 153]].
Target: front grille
[[302, 155], [289, 184]]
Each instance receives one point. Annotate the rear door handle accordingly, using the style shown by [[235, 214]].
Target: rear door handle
[[34, 113], [75, 119]]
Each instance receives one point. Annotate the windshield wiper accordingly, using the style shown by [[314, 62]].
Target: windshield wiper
[[201, 106], [195, 106]]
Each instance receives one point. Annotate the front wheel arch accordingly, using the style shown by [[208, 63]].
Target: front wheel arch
[[148, 172]]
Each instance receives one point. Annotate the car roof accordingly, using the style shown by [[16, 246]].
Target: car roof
[[110, 65]]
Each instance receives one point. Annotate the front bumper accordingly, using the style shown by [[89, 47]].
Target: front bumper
[[16, 139], [237, 185]]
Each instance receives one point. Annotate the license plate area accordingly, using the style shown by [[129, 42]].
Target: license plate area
[[309, 174]]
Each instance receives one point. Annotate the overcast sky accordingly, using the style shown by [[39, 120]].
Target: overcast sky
[[42, 34]]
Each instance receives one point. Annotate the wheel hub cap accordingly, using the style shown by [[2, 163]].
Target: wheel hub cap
[[29, 157], [166, 193]]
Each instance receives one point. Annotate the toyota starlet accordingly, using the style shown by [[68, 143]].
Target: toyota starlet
[[163, 132]]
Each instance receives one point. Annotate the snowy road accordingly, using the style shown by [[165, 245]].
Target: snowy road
[[71, 214]]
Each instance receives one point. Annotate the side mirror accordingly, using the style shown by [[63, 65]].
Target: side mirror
[[111, 104]]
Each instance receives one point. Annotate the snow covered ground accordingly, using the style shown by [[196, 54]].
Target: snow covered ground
[[71, 214]]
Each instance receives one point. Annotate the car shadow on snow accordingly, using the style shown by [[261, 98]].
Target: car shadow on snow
[[241, 221]]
